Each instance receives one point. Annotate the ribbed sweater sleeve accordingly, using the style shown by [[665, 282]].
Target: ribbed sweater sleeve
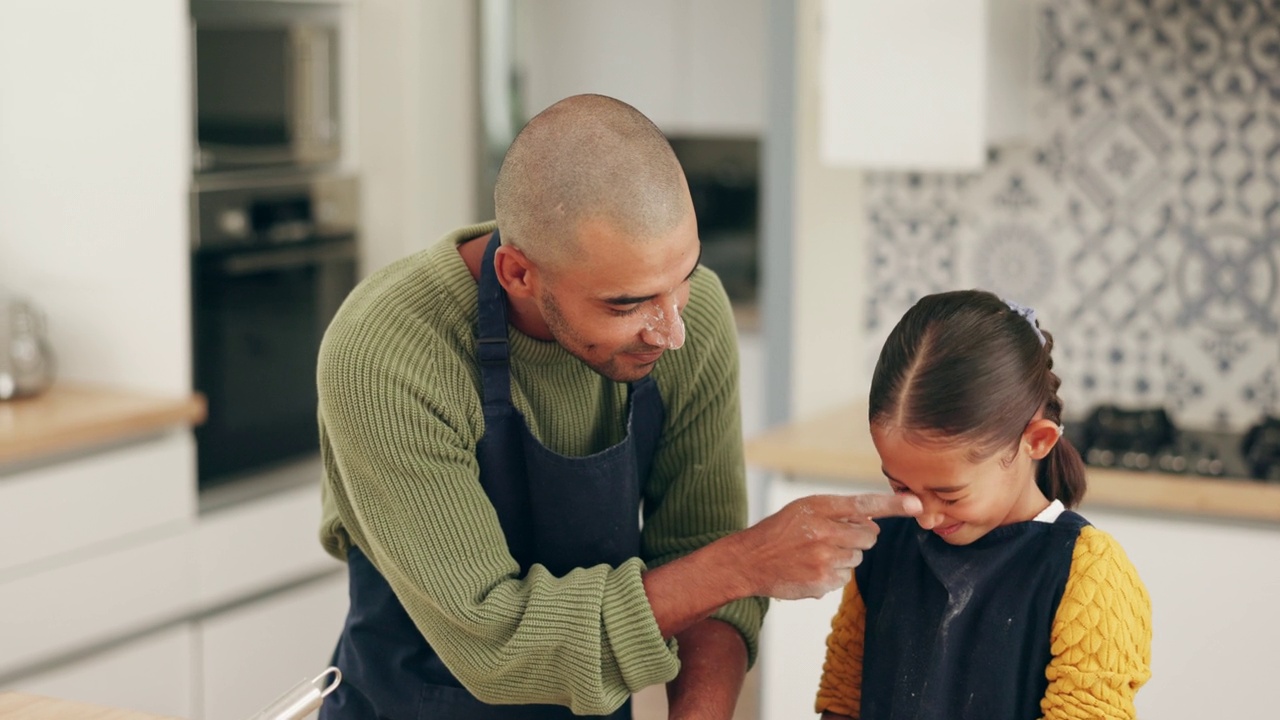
[[1101, 636], [840, 688], [400, 417]]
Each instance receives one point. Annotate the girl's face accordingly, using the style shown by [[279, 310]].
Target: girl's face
[[964, 498]]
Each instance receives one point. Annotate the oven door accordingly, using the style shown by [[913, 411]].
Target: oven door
[[259, 315]]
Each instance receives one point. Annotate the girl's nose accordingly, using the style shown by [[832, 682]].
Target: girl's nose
[[930, 518], [663, 326]]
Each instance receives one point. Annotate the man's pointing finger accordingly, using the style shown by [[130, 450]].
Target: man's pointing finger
[[862, 507]]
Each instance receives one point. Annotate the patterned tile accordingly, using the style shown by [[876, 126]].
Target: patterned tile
[[1233, 48], [914, 220], [1227, 281], [1142, 219], [1004, 247], [1264, 390]]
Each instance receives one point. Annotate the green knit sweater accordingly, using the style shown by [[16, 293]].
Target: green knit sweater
[[400, 417]]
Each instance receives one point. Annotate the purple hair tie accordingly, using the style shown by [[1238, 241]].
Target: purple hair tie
[[1029, 315]]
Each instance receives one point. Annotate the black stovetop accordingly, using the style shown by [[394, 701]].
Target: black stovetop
[[1147, 440]]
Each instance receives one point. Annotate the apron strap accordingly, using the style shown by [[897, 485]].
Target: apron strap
[[647, 415], [492, 349]]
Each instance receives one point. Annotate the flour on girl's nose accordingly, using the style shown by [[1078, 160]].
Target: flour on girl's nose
[[671, 337]]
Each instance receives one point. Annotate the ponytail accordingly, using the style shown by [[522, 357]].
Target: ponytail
[[1061, 474]]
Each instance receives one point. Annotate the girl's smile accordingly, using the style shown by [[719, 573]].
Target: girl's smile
[[948, 529]]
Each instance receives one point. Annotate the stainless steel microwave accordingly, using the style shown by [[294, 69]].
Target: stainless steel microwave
[[266, 85]]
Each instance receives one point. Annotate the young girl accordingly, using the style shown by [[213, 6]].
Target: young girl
[[998, 601]]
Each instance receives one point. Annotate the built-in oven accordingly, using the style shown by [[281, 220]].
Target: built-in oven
[[266, 84], [272, 261]]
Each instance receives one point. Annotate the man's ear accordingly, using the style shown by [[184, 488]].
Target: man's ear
[[516, 272], [1040, 436]]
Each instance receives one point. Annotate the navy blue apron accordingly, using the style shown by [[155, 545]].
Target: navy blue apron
[[560, 512]]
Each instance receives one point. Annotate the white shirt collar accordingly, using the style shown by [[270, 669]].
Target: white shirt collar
[[1050, 513]]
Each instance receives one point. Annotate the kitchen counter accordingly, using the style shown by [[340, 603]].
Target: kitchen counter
[[837, 446], [19, 706], [70, 417]]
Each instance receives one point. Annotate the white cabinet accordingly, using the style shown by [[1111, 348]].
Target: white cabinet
[[95, 548], [1214, 588], [693, 66], [152, 674], [263, 544], [223, 667], [923, 84], [1213, 593], [62, 609], [81, 502], [793, 642], [253, 654]]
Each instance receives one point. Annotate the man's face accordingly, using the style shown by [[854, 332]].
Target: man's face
[[617, 305]]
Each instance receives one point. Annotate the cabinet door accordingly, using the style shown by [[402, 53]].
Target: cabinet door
[[254, 653], [903, 83], [56, 612], [923, 84], [1213, 588], [152, 674], [627, 50], [694, 67], [793, 643], [81, 503], [255, 547]]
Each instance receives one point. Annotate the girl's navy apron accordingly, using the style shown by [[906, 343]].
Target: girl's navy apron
[[557, 511]]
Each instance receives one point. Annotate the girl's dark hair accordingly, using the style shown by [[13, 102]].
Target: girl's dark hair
[[963, 366]]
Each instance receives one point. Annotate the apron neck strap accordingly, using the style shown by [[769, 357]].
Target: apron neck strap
[[492, 348]]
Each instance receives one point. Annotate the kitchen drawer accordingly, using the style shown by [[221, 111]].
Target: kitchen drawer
[[152, 674], [80, 502], [261, 544], [252, 654], [65, 609]]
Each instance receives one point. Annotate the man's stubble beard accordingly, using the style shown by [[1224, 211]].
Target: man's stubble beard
[[575, 346]]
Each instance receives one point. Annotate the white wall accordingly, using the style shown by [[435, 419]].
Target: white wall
[[828, 310], [418, 123], [94, 165]]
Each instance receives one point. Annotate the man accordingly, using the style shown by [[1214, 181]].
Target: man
[[496, 413]]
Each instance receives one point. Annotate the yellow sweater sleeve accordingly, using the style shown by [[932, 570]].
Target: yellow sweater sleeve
[[840, 690], [1101, 636]]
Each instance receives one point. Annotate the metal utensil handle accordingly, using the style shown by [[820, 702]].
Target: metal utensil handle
[[302, 699]]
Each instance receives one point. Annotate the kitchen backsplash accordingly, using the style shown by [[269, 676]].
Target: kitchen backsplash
[[1141, 219]]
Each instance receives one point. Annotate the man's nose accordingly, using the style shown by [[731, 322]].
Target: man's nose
[[663, 326]]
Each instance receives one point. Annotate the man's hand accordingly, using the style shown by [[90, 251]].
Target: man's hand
[[806, 549], [811, 546]]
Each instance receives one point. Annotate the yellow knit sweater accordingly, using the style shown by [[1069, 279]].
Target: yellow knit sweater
[[1100, 640]]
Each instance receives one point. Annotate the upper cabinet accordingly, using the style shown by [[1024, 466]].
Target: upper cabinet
[[923, 84], [695, 67]]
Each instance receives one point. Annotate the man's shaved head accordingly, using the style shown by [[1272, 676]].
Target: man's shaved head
[[587, 157]]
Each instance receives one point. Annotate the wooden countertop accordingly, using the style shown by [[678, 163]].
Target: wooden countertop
[[837, 446], [19, 706], [70, 417]]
